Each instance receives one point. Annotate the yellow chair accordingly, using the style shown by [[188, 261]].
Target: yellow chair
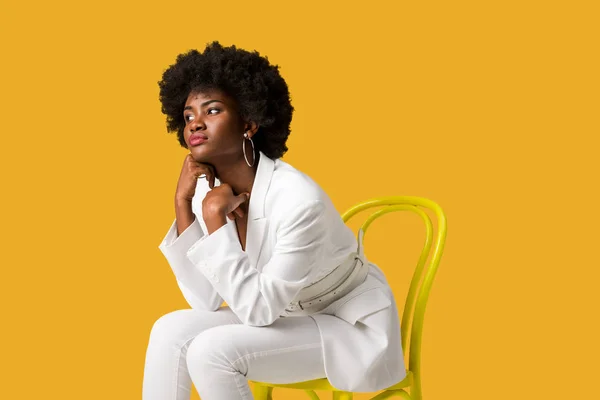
[[416, 301]]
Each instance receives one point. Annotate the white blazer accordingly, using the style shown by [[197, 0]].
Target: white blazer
[[294, 233]]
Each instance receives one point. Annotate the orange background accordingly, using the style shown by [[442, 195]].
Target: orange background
[[488, 108]]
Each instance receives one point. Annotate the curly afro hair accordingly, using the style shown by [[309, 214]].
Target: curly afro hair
[[261, 93]]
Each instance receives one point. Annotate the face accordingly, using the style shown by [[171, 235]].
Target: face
[[213, 116]]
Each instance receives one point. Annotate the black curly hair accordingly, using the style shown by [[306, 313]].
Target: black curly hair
[[261, 93]]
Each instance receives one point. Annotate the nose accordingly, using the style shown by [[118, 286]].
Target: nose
[[197, 124]]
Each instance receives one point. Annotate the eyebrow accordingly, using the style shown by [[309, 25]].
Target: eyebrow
[[202, 105]]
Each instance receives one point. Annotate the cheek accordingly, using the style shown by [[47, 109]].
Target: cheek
[[228, 130]]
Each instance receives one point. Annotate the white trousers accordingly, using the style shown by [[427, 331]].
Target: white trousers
[[219, 354]]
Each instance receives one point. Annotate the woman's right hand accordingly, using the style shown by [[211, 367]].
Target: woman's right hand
[[191, 170]]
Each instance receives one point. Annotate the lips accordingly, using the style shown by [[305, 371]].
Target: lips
[[196, 139]]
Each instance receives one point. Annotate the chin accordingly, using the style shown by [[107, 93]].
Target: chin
[[198, 155]]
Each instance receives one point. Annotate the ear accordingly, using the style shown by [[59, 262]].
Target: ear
[[251, 127]]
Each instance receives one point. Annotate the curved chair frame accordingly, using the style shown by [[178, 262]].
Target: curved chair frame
[[416, 301]]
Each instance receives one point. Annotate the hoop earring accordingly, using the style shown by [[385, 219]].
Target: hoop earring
[[244, 149]]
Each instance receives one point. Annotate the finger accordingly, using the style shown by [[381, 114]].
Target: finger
[[202, 172], [242, 197], [239, 212], [239, 200], [231, 216], [209, 181], [205, 172], [210, 176]]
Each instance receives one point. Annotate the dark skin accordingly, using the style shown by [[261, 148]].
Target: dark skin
[[214, 115]]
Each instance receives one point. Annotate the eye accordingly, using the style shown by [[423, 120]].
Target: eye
[[185, 117], [213, 109]]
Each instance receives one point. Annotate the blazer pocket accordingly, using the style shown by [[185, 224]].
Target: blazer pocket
[[364, 304]]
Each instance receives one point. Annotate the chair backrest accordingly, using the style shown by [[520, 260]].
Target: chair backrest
[[420, 285]]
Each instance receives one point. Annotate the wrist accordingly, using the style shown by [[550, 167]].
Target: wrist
[[214, 222]]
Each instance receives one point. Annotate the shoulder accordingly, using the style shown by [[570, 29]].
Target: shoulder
[[291, 188], [296, 202]]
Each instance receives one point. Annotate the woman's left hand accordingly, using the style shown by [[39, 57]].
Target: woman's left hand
[[222, 201]]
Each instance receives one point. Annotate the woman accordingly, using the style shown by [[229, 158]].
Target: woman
[[302, 301]]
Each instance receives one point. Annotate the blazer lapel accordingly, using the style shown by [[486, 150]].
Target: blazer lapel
[[257, 221]]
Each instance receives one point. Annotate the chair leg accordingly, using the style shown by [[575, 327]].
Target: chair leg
[[262, 392], [312, 394], [342, 395]]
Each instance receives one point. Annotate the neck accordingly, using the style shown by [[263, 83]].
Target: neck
[[238, 174]]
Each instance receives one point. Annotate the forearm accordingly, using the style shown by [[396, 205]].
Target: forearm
[[201, 299], [183, 215], [196, 289]]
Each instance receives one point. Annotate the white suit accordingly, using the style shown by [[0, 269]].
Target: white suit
[[294, 233]]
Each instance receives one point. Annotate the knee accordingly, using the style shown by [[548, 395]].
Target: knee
[[170, 327], [211, 351]]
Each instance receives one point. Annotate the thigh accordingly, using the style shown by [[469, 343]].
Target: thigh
[[180, 326], [287, 351]]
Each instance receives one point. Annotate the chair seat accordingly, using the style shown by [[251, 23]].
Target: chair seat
[[323, 384]]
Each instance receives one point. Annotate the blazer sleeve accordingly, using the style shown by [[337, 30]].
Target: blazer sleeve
[[259, 298], [196, 289]]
